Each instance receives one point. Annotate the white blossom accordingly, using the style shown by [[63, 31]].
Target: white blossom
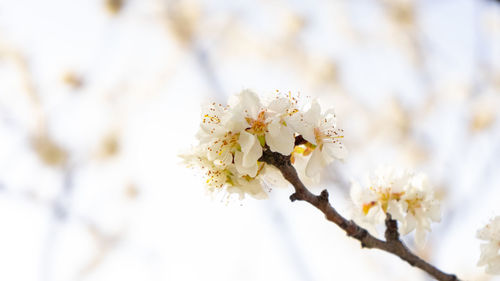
[[490, 251], [246, 159], [216, 176], [232, 139], [213, 123], [281, 135], [267, 124], [220, 140], [247, 185], [219, 177], [408, 198], [320, 130]]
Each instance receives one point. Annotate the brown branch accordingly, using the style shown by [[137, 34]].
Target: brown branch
[[392, 244], [300, 140]]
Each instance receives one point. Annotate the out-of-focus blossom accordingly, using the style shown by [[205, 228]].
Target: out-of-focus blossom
[[408, 198], [490, 255]]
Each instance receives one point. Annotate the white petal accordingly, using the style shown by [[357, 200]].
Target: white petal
[[394, 208], [376, 215], [435, 213], [272, 176], [250, 147], [280, 138], [420, 237], [298, 124], [307, 132], [300, 165], [279, 105], [494, 266], [356, 193], [330, 116], [254, 188], [305, 123], [335, 150], [368, 225], [236, 190], [488, 252], [409, 224], [368, 221], [236, 122], [226, 158], [491, 231], [422, 220], [315, 164], [242, 169], [246, 102], [313, 115]]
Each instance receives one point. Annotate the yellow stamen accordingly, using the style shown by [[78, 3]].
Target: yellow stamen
[[299, 149], [212, 118], [367, 207]]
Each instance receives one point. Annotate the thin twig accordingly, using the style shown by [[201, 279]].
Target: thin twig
[[392, 244]]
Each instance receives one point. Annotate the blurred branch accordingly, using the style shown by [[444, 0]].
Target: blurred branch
[[60, 211], [105, 244], [207, 70], [293, 253], [183, 19], [392, 244]]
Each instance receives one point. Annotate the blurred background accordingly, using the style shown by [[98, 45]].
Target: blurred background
[[98, 97]]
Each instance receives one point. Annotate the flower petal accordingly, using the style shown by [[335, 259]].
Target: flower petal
[[313, 115], [226, 158], [280, 138], [272, 176], [395, 210], [435, 213], [315, 164], [488, 252], [420, 237], [335, 151], [254, 188], [279, 105], [246, 102], [250, 170], [305, 130], [494, 266], [250, 147], [409, 224]]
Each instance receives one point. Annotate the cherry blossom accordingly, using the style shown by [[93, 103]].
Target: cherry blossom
[[490, 251], [408, 198]]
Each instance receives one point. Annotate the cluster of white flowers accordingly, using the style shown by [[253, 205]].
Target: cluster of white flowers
[[490, 251], [408, 198], [232, 139]]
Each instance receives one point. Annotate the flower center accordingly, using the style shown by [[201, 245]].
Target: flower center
[[211, 119], [414, 204], [214, 178], [384, 196], [226, 143], [258, 126], [327, 136], [319, 136]]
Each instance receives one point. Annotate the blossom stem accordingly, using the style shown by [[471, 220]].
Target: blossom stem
[[392, 244]]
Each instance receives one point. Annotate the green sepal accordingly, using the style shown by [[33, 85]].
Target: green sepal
[[262, 140]]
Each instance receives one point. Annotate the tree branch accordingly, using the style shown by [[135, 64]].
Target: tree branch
[[392, 244]]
